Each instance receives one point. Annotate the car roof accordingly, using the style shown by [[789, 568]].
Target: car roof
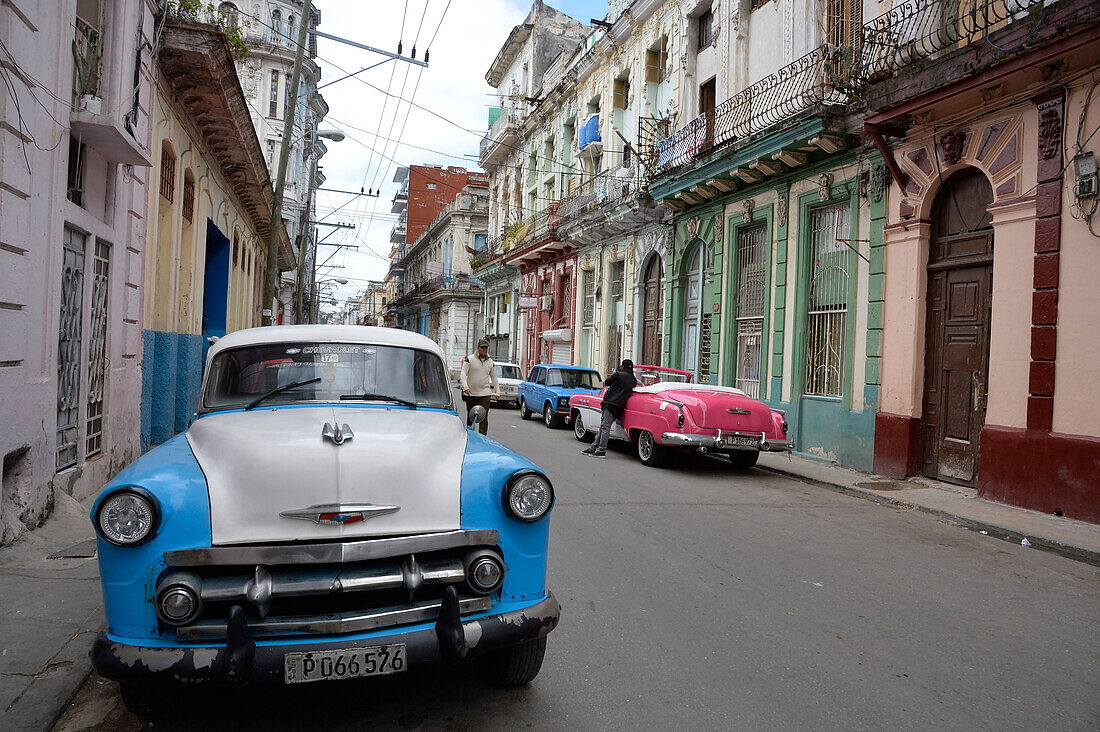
[[325, 334], [506, 363], [566, 366]]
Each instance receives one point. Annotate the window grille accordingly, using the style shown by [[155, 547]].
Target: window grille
[[236, 247], [167, 174], [188, 199], [97, 350], [273, 97], [827, 309], [750, 308], [588, 316], [68, 349], [704, 348]]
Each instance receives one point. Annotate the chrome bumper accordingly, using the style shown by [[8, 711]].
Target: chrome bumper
[[726, 441]]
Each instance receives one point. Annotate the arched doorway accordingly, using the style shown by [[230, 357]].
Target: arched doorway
[[652, 312], [693, 295], [960, 298]]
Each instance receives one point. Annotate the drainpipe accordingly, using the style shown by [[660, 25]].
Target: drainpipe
[[876, 133]]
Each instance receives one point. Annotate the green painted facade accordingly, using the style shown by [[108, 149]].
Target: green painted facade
[[840, 428]]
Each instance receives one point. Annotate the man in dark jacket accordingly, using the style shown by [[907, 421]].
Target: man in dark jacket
[[619, 385]]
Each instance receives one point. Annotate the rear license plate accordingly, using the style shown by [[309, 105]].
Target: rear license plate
[[741, 441], [349, 663]]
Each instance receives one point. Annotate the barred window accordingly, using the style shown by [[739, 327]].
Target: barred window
[[188, 198], [236, 248], [588, 315], [167, 174], [827, 309]]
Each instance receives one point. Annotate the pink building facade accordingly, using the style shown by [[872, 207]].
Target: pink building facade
[[74, 171], [992, 258]]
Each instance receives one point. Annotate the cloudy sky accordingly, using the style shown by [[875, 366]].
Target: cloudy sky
[[452, 87]]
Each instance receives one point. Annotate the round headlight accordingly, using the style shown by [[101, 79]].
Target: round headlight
[[127, 517], [528, 496]]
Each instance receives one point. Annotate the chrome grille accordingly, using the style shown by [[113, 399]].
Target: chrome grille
[[327, 588]]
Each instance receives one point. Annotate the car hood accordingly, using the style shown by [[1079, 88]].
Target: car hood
[[261, 463], [726, 409]]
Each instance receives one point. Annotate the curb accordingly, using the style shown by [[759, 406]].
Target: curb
[[1054, 546]]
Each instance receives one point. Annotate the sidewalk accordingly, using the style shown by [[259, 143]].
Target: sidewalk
[[52, 609], [1075, 539]]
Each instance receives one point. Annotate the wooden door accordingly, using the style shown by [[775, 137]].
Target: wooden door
[[707, 98], [652, 314], [960, 299]]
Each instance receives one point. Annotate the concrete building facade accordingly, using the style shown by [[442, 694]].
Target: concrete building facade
[[209, 214], [75, 168]]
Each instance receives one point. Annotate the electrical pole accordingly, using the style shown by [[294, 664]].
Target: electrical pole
[[272, 275], [300, 314]]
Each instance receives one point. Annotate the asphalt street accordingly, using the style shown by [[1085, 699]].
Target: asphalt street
[[697, 597]]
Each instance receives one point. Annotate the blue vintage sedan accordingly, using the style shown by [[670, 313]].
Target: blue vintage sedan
[[327, 516], [548, 388]]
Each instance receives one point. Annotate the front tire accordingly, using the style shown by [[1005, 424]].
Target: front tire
[[579, 430], [649, 452], [514, 665], [744, 459], [524, 412], [549, 417], [145, 701]]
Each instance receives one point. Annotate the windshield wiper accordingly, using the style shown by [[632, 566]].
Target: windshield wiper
[[273, 392], [379, 397]]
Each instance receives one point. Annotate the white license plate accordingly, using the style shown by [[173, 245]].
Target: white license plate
[[741, 441], [349, 663]]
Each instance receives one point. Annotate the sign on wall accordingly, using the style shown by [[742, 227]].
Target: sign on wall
[[528, 301]]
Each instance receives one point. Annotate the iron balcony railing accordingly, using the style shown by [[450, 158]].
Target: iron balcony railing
[[820, 77], [507, 118], [918, 29], [594, 192]]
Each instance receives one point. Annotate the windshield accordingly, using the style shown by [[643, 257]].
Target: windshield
[[239, 376], [573, 379], [649, 377], [508, 372]]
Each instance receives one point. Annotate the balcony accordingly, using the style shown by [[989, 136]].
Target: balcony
[[502, 138], [920, 29], [400, 201], [397, 233], [817, 80], [588, 137], [924, 45]]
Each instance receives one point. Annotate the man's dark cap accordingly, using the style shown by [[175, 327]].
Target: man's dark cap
[[483, 343], [628, 365]]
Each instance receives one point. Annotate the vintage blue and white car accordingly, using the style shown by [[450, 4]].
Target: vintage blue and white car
[[548, 388], [327, 516]]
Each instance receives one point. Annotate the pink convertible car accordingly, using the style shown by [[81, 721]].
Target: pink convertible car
[[667, 411]]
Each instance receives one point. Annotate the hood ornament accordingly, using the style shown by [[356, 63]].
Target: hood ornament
[[338, 514], [337, 433], [739, 410]]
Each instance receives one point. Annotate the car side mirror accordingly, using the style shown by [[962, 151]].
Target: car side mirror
[[477, 416]]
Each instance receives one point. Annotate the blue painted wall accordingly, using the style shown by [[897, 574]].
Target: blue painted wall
[[173, 362], [823, 428], [170, 379]]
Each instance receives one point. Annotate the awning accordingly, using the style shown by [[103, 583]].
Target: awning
[[561, 335]]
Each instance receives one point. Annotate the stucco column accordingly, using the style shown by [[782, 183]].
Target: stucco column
[[1010, 327], [903, 339]]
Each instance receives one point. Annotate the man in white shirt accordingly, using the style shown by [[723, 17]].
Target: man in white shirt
[[479, 382]]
